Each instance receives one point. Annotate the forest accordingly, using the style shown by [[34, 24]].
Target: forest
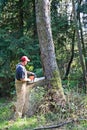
[[53, 35]]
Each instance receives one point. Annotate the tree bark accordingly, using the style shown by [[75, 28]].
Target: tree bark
[[79, 47], [81, 33], [20, 4], [71, 59], [48, 57], [34, 21]]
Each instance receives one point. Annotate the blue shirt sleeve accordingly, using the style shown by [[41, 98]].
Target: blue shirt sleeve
[[20, 73]]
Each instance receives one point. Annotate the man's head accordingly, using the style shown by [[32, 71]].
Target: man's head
[[24, 60]]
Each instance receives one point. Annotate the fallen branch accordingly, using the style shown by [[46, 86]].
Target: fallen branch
[[58, 125], [53, 126]]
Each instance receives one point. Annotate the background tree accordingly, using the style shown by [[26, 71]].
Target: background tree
[[79, 46]]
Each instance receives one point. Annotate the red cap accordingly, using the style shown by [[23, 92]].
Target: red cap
[[24, 58]]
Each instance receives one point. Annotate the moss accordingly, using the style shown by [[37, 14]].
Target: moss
[[56, 82], [56, 92]]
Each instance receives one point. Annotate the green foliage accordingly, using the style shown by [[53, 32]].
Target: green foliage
[[75, 108], [11, 49], [14, 44], [18, 36], [2, 4], [83, 8], [36, 98], [39, 72], [5, 112], [6, 122]]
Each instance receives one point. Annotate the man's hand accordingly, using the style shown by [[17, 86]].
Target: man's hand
[[28, 79], [31, 74]]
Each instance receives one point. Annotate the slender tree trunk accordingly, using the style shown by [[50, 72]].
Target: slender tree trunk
[[34, 21], [20, 6], [79, 46], [81, 33], [71, 59], [48, 58]]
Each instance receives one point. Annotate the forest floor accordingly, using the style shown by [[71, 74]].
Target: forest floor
[[72, 117]]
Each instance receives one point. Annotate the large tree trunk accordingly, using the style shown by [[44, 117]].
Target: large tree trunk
[[48, 58]]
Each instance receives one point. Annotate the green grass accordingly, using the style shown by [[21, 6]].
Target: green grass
[[21, 124], [6, 113], [76, 108]]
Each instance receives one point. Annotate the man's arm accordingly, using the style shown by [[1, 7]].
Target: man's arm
[[25, 79], [31, 74]]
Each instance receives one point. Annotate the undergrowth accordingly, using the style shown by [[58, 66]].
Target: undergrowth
[[75, 110]]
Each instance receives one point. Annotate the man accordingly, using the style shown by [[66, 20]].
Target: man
[[20, 84]]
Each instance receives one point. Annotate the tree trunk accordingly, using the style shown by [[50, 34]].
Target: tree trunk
[[79, 47], [71, 59], [81, 33], [34, 21], [20, 6], [48, 58]]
